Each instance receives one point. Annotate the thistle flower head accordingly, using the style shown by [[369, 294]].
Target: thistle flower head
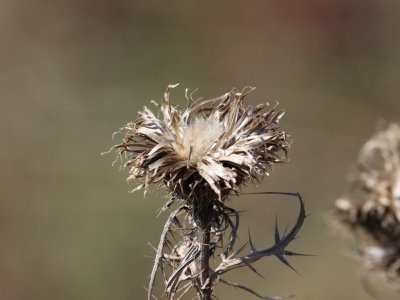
[[208, 150], [202, 154], [372, 202]]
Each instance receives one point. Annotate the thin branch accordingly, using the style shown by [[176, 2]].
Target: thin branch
[[159, 254]]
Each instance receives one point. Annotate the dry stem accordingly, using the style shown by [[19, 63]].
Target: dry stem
[[204, 221], [205, 290]]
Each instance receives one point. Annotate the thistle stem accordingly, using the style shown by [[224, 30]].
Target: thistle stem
[[204, 260], [205, 284]]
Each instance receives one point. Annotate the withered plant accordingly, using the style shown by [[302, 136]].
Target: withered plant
[[203, 155], [371, 205]]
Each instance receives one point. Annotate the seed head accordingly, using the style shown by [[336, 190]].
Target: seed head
[[208, 150], [372, 202]]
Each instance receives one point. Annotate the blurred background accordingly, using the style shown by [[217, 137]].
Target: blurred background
[[73, 72]]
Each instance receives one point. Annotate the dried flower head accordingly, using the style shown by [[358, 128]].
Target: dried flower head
[[203, 154], [207, 150], [372, 202]]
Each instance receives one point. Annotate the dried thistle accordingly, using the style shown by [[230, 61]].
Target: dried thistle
[[209, 150], [372, 203], [202, 155]]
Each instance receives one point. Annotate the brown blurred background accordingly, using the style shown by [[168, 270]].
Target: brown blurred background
[[72, 72]]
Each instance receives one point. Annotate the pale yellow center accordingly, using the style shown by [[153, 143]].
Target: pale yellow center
[[197, 139]]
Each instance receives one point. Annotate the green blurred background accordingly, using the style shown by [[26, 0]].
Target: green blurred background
[[72, 72]]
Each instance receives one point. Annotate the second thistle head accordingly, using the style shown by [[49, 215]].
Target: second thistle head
[[372, 203], [206, 151]]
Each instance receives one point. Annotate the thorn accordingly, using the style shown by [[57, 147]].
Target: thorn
[[277, 236], [151, 246], [252, 246], [254, 269], [240, 249], [285, 231], [283, 259], [291, 253]]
